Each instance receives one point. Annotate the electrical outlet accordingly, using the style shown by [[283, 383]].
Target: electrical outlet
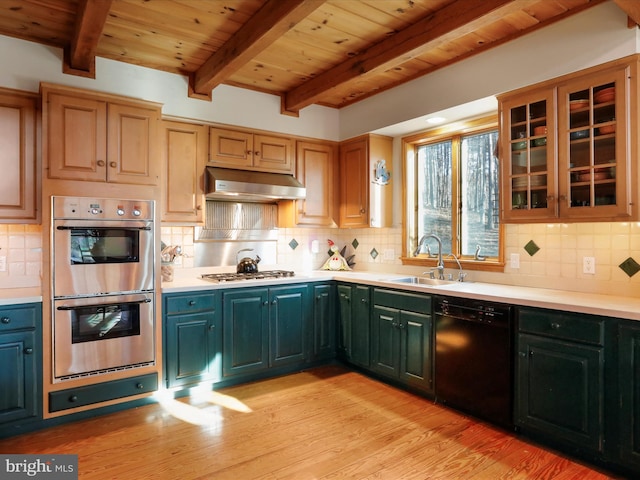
[[389, 254], [3, 263], [589, 265], [515, 260]]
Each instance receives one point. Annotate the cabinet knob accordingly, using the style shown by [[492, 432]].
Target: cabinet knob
[[555, 326], [265, 303], [139, 386], [256, 153], [101, 163], [523, 354], [192, 303], [212, 328], [5, 320], [362, 210], [363, 300], [113, 164], [28, 351], [198, 207], [73, 398], [400, 325], [274, 301]]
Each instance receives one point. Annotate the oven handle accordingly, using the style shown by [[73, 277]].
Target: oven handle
[[84, 227], [78, 307]]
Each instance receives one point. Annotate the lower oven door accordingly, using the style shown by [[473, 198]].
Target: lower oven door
[[99, 334]]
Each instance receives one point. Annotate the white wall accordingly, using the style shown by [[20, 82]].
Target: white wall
[[26, 64], [590, 38]]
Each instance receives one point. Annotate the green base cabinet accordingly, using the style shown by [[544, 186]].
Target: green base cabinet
[[629, 385], [354, 326], [21, 360], [264, 328], [324, 324], [561, 377], [402, 338], [192, 338]]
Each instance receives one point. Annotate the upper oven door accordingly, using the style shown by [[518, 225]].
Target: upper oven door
[[102, 257]]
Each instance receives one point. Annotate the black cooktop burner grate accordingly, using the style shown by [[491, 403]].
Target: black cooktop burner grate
[[233, 277]]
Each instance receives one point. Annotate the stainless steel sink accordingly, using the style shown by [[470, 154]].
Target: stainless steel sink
[[424, 281]]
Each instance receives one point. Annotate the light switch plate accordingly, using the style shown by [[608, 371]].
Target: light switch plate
[[3, 263], [515, 260]]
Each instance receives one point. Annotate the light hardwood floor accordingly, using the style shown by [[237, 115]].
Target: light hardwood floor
[[326, 423]]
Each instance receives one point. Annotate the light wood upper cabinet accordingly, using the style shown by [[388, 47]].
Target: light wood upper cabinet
[[250, 151], [100, 138], [184, 148], [317, 167], [528, 157], [365, 200], [19, 184], [568, 147]]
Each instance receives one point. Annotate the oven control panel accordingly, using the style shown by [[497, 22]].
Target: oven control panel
[[86, 208]]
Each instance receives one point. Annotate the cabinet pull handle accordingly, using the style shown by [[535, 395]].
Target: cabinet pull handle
[[5, 320], [28, 351], [274, 301], [192, 303], [113, 164], [212, 327], [139, 386], [555, 326], [363, 300], [265, 303], [101, 163], [73, 398]]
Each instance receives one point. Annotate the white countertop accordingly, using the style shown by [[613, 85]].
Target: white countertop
[[607, 305]]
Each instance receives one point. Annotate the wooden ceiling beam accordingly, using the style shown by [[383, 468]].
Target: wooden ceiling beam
[[80, 56], [273, 20], [631, 8], [456, 19]]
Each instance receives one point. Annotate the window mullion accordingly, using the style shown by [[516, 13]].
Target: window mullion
[[455, 194]]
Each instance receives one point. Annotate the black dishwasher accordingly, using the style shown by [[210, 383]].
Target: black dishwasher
[[474, 358]]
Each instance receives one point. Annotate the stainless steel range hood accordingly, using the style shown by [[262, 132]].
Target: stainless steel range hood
[[245, 186]]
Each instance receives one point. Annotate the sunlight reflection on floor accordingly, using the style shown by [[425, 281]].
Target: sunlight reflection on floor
[[204, 407]]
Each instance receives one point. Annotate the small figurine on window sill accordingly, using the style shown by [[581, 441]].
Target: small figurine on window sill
[[335, 261]]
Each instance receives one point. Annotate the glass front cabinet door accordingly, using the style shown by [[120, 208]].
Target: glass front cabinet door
[[528, 156], [593, 146]]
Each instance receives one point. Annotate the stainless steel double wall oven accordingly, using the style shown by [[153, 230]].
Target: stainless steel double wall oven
[[103, 285]]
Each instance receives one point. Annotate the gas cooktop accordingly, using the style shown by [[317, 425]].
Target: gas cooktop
[[232, 277]]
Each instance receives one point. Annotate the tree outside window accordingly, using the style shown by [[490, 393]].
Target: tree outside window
[[453, 193]]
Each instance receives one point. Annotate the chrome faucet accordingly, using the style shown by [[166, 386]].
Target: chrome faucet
[[440, 266]]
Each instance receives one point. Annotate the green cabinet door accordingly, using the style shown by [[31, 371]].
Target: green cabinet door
[[246, 331], [18, 376], [288, 313], [416, 349], [192, 325], [560, 391], [629, 384], [385, 338], [324, 325], [20, 364], [193, 352]]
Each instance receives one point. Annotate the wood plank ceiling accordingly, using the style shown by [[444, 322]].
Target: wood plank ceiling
[[327, 52]]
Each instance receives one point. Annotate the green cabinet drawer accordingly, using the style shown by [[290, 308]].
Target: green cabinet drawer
[[102, 392], [410, 302], [16, 317], [568, 326], [189, 302]]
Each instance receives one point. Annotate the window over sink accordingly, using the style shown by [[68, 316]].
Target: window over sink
[[452, 187]]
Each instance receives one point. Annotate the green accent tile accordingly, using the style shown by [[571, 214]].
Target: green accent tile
[[373, 253], [355, 243], [293, 244], [531, 248], [630, 267]]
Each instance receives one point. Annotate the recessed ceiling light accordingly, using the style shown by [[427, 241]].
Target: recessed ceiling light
[[435, 120]]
